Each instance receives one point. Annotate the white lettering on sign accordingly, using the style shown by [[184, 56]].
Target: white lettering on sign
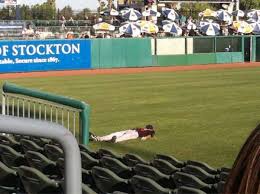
[[41, 49]]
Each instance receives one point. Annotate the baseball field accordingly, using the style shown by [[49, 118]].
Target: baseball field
[[202, 115]]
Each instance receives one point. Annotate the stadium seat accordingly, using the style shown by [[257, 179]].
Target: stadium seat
[[150, 172], [86, 174], [224, 169], [53, 152], [187, 190], [132, 159], [40, 141], [9, 180], [184, 179], [90, 152], [87, 190], [220, 186], [202, 165], [19, 137], [87, 161], [35, 181], [164, 166], [10, 141], [143, 185], [42, 163], [107, 181], [117, 167], [87, 177], [11, 157], [201, 174], [223, 176], [29, 145], [104, 152], [60, 164], [175, 162]]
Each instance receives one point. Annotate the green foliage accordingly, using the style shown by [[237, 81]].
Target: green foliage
[[249, 4], [7, 12], [82, 14], [199, 115], [45, 11], [67, 12]]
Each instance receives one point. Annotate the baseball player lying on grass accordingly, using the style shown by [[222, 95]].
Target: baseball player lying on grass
[[143, 133]]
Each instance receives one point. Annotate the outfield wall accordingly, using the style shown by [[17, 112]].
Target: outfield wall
[[49, 55]]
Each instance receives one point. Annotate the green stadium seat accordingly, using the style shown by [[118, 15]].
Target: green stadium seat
[[132, 159], [164, 166], [10, 141], [202, 165], [150, 172], [9, 180], [175, 162], [188, 190], [87, 190], [104, 152], [53, 152], [87, 177], [87, 161], [60, 164], [221, 186], [106, 181], [184, 179], [143, 185], [201, 174], [223, 176], [29, 145], [117, 167], [19, 137], [90, 152], [35, 182], [86, 174], [40, 141], [11, 157], [225, 169], [42, 163]]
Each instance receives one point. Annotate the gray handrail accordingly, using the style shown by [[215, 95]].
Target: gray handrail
[[25, 126]]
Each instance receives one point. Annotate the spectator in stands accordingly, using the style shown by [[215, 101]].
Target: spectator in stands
[[144, 133]]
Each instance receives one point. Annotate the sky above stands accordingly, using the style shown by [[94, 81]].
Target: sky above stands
[[75, 4]]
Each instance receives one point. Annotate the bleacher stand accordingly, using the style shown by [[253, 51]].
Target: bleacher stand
[[36, 165]]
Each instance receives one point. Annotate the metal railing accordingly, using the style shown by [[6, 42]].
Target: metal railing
[[26, 103], [24, 106], [24, 126]]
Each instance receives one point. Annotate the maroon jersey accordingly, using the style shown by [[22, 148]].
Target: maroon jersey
[[142, 132]]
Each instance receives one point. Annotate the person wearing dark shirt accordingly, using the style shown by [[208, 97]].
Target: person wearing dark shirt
[[143, 133]]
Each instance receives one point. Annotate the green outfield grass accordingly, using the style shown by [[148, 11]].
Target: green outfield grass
[[199, 115]]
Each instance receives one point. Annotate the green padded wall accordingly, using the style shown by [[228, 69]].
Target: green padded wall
[[109, 53], [191, 59], [203, 58], [257, 49], [253, 48], [171, 60], [229, 57]]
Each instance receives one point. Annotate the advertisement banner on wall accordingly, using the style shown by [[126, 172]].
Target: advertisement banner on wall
[[44, 55]]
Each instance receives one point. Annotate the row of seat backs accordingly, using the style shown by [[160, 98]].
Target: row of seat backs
[[39, 145]]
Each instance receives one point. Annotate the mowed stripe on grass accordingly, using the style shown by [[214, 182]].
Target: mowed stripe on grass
[[200, 115]]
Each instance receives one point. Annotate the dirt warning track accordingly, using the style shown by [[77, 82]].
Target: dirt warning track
[[128, 70]]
